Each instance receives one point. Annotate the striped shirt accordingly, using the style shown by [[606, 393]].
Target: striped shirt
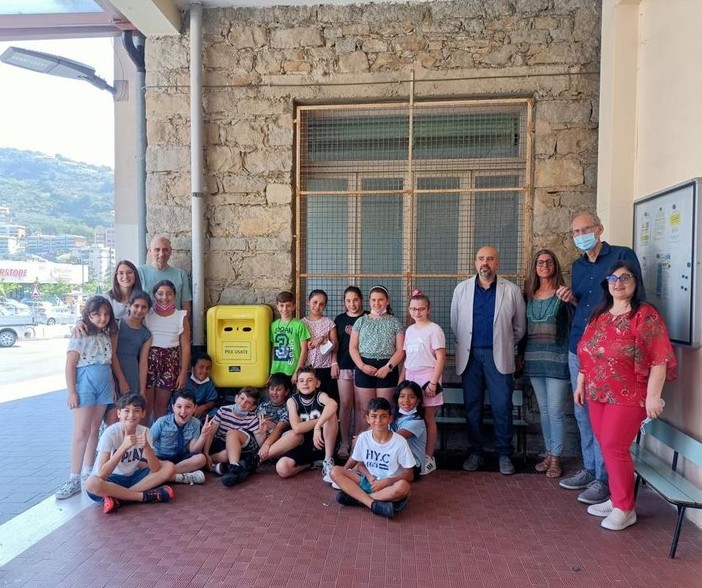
[[229, 418]]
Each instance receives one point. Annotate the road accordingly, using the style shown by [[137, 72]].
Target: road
[[36, 424]]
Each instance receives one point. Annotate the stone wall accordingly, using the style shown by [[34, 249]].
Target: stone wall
[[259, 62]]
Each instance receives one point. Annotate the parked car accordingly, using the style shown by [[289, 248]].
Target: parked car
[[14, 326], [56, 315]]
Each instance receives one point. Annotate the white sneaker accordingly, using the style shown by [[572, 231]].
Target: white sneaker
[[196, 477], [619, 520], [429, 466], [327, 466], [69, 489], [603, 509]]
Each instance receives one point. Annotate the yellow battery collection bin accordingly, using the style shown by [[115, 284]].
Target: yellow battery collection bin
[[238, 341]]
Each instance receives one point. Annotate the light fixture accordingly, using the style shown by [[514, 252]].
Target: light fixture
[[55, 66]]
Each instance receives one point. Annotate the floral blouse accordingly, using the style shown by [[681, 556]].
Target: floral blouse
[[617, 352]]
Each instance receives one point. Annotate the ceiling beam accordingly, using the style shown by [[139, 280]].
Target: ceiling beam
[[151, 17]]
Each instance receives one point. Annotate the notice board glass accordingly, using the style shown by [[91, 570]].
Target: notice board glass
[[666, 240]]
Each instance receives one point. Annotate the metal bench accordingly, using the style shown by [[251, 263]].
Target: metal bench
[[453, 397], [661, 475]]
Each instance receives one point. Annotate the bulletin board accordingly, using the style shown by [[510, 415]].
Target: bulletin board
[[667, 243]]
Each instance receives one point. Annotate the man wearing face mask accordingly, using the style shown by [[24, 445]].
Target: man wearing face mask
[[488, 318], [587, 274]]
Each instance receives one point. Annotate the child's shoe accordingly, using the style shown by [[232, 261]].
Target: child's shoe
[[160, 494], [110, 504], [429, 466], [220, 468], [327, 466], [69, 489], [191, 478], [235, 475], [346, 500], [383, 508]]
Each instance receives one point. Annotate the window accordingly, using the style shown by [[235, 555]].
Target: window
[[374, 207]]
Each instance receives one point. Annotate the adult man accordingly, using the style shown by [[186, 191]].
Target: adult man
[[586, 292], [152, 273], [487, 319]]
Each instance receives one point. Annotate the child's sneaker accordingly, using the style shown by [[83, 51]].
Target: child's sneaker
[[327, 466], [160, 494], [383, 508], [110, 504], [69, 489], [429, 466], [220, 468], [235, 475], [191, 478], [346, 500]]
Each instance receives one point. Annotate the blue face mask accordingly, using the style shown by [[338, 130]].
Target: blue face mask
[[585, 242]]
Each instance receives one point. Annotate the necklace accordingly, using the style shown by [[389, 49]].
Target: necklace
[[545, 308]]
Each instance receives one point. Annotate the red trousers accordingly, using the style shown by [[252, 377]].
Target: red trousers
[[615, 427]]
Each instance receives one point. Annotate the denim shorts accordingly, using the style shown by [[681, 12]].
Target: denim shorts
[[124, 481], [95, 385]]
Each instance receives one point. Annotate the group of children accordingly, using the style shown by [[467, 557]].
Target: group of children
[[135, 463]]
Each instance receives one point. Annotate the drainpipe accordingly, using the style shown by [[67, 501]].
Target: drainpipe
[[134, 46], [197, 176]]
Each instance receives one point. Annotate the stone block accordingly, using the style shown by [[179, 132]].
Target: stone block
[[226, 244], [167, 158], [296, 37], [278, 194], [353, 62], [223, 159], [243, 132], [500, 56], [268, 160], [166, 104], [278, 136], [245, 37], [575, 140], [558, 172], [565, 53], [267, 269], [243, 183], [565, 111]]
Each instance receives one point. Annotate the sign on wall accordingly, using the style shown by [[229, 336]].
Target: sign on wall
[[666, 240]]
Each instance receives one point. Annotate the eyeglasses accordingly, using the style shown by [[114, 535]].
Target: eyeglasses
[[420, 309], [583, 230], [624, 279], [543, 262]]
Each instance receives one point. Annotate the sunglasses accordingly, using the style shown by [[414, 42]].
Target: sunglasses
[[624, 279]]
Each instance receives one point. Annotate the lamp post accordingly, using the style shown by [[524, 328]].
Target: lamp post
[[55, 66]]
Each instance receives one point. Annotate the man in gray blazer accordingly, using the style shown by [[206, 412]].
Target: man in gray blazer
[[488, 318]]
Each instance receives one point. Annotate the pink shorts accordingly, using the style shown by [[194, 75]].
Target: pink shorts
[[421, 377], [345, 375]]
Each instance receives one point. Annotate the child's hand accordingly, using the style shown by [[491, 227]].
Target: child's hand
[[265, 424], [313, 343], [318, 438], [264, 451], [379, 484], [72, 400], [206, 426], [180, 382], [142, 439], [123, 387], [129, 442]]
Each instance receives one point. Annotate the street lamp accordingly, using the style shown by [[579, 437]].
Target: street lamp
[[55, 66]]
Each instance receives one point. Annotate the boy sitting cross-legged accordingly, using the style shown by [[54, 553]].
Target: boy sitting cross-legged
[[379, 472], [127, 469], [232, 446], [180, 438]]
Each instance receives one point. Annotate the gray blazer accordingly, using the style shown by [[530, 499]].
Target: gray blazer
[[508, 327]]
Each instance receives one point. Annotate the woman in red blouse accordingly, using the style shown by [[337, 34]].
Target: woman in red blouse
[[625, 358]]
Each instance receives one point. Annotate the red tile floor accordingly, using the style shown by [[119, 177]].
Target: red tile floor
[[459, 529]]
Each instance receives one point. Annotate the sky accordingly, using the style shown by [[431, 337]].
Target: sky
[[40, 112]]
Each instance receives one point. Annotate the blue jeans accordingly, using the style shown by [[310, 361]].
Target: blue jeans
[[552, 395], [592, 454], [479, 373]]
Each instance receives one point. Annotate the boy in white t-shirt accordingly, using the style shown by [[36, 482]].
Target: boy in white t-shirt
[[127, 469], [379, 473]]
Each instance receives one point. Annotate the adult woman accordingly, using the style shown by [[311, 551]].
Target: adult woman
[[376, 349], [124, 281], [625, 358], [546, 354]]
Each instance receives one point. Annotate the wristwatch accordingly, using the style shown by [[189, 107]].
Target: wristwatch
[[390, 366]]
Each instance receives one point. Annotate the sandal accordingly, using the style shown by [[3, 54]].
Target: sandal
[[555, 469], [544, 464]]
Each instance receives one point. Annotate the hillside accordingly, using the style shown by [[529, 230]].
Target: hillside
[[53, 195]]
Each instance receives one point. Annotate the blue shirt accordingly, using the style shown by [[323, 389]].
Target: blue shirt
[[165, 434], [587, 284], [483, 315]]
